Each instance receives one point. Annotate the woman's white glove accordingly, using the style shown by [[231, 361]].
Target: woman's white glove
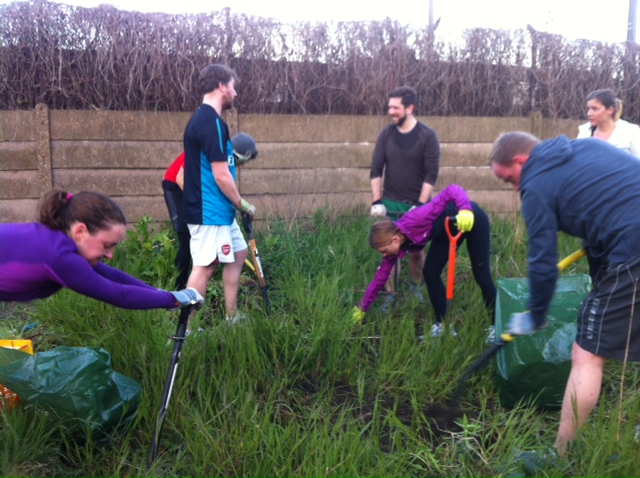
[[188, 297]]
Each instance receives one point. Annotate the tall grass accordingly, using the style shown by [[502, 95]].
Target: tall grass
[[302, 392]]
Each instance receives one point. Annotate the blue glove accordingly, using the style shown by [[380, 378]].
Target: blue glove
[[187, 297], [522, 323]]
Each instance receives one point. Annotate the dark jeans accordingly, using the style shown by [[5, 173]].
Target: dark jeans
[[173, 197]]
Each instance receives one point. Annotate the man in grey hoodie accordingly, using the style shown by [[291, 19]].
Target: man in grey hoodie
[[589, 189]]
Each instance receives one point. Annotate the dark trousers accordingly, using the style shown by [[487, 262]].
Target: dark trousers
[[479, 247], [173, 197]]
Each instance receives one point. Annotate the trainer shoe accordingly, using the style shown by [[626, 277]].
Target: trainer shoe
[[522, 323], [491, 334], [438, 330], [542, 462], [236, 319], [188, 332], [388, 303], [416, 292]]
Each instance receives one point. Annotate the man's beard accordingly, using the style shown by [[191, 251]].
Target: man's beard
[[227, 102], [400, 121]]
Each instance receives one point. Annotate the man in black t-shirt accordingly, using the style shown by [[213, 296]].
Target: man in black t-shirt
[[407, 155]]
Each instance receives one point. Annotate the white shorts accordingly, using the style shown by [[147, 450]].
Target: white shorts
[[211, 243]]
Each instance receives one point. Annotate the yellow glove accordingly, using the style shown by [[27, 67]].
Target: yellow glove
[[357, 315], [464, 220]]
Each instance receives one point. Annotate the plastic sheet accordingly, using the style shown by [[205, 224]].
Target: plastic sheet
[[536, 367], [76, 385]]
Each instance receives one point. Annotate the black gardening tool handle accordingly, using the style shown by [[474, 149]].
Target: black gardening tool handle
[[477, 365], [503, 340], [247, 223], [178, 338]]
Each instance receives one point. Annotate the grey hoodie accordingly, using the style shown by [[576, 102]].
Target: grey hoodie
[[586, 188]]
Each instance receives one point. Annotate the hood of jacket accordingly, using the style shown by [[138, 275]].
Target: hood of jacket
[[548, 155]]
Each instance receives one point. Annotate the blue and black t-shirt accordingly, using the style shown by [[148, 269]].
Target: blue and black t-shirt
[[206, 139]]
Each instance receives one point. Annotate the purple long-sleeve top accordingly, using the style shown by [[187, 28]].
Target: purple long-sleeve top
[[416, 225], [36, 262]]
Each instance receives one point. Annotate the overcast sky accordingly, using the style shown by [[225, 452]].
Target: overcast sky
[[587, 19]]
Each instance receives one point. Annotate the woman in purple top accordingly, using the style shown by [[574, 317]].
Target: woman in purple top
[[409, 234], [65, 248]]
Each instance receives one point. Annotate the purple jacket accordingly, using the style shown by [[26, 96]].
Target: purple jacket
[[416, 225], [36, 262]]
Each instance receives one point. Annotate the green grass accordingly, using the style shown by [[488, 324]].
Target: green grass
[[302, 393]]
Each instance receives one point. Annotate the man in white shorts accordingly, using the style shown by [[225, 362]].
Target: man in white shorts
[[211, 196]]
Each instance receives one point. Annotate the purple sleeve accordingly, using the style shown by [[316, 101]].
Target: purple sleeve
[[102, 283], [418, 222], [378, 282], [116, 275]]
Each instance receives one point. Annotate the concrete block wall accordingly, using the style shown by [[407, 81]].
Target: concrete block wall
[[305, 162]]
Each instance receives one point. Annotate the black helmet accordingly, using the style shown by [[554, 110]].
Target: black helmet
[[244, 148]]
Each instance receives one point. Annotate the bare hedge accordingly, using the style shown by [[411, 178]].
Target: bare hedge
[[104, 58]]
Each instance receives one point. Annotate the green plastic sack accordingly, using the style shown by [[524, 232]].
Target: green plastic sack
[[536, 367], [76, 384]]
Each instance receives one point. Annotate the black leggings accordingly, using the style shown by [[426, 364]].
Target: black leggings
[[173, 198], [478, 246]]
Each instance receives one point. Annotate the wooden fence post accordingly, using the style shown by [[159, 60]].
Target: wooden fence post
[[537, 123], [43, 139]]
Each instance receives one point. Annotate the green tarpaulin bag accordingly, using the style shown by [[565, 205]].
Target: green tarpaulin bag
[[536, 367], [77, 385]]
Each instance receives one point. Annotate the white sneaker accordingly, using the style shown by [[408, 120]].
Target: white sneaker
[[388, 303], [491, 334], [236, 319], [188, 332], [521, 323], [438, 330], [416, 292]]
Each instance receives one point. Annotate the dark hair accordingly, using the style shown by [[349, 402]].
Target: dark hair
[[408, 95], [382, 232], [608, 99], [511, 144], [58, 210], [211, 76]]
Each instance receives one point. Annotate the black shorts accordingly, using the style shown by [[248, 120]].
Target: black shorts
[[605, 325]]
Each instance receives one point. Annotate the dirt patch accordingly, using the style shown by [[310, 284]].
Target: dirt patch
[[432, 423]]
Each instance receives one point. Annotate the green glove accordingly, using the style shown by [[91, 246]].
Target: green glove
[[464, 220], [357, 315], [250, 209]]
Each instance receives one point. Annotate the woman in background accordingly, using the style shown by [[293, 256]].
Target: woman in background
[[604, 111]]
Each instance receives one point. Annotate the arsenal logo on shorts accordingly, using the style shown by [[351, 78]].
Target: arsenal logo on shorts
[[226, 249]]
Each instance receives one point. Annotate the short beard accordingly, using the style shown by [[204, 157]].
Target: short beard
[[401, 121]]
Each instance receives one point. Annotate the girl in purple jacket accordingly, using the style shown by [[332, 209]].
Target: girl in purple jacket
[[414, 230], [65, 248]]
